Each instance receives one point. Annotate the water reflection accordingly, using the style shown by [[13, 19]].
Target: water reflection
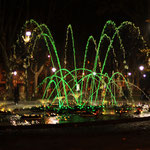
[[31, 117], [16, 120], [51, 120], [142, 115]]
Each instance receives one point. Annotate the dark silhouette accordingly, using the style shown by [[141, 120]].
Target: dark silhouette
[[16, 94], [126, 93], [144, 95]]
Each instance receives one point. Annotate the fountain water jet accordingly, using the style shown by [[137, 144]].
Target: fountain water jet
[[92, 82]]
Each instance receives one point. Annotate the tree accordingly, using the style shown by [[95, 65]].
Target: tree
[[8, 31], [133, 42], [37, 66]]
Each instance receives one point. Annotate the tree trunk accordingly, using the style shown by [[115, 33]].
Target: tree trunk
[[36, 76], [44, 86]]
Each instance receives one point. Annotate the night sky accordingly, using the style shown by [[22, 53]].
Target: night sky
[[87, 17]]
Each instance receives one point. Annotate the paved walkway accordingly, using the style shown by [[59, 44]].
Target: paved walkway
[[10, 105]]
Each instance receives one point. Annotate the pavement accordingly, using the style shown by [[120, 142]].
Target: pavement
[[10, 105]]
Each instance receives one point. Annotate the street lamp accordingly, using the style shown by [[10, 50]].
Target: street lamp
[[141, 68], [28, 33], [144, 75], [14, 73], [129, 73], [53, 69], [94, 73], [27, 36], [26, 39]]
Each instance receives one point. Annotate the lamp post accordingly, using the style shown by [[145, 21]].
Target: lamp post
[[26, 38], [14, 73], [26, 64]]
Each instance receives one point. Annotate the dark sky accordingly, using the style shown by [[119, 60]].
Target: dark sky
[[86, 16]]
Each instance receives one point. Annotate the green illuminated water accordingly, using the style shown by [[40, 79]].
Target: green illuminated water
[[82, 86]]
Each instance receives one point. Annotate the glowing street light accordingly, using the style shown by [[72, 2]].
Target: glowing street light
[[14, 73], [27, 36], [129, 73], [28, 33], [94, 73], [144, 75], [54, 69], [141, 68], [48, 56]]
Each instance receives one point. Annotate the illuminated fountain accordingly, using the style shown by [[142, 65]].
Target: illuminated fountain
[[81, 90], [82, 86]]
